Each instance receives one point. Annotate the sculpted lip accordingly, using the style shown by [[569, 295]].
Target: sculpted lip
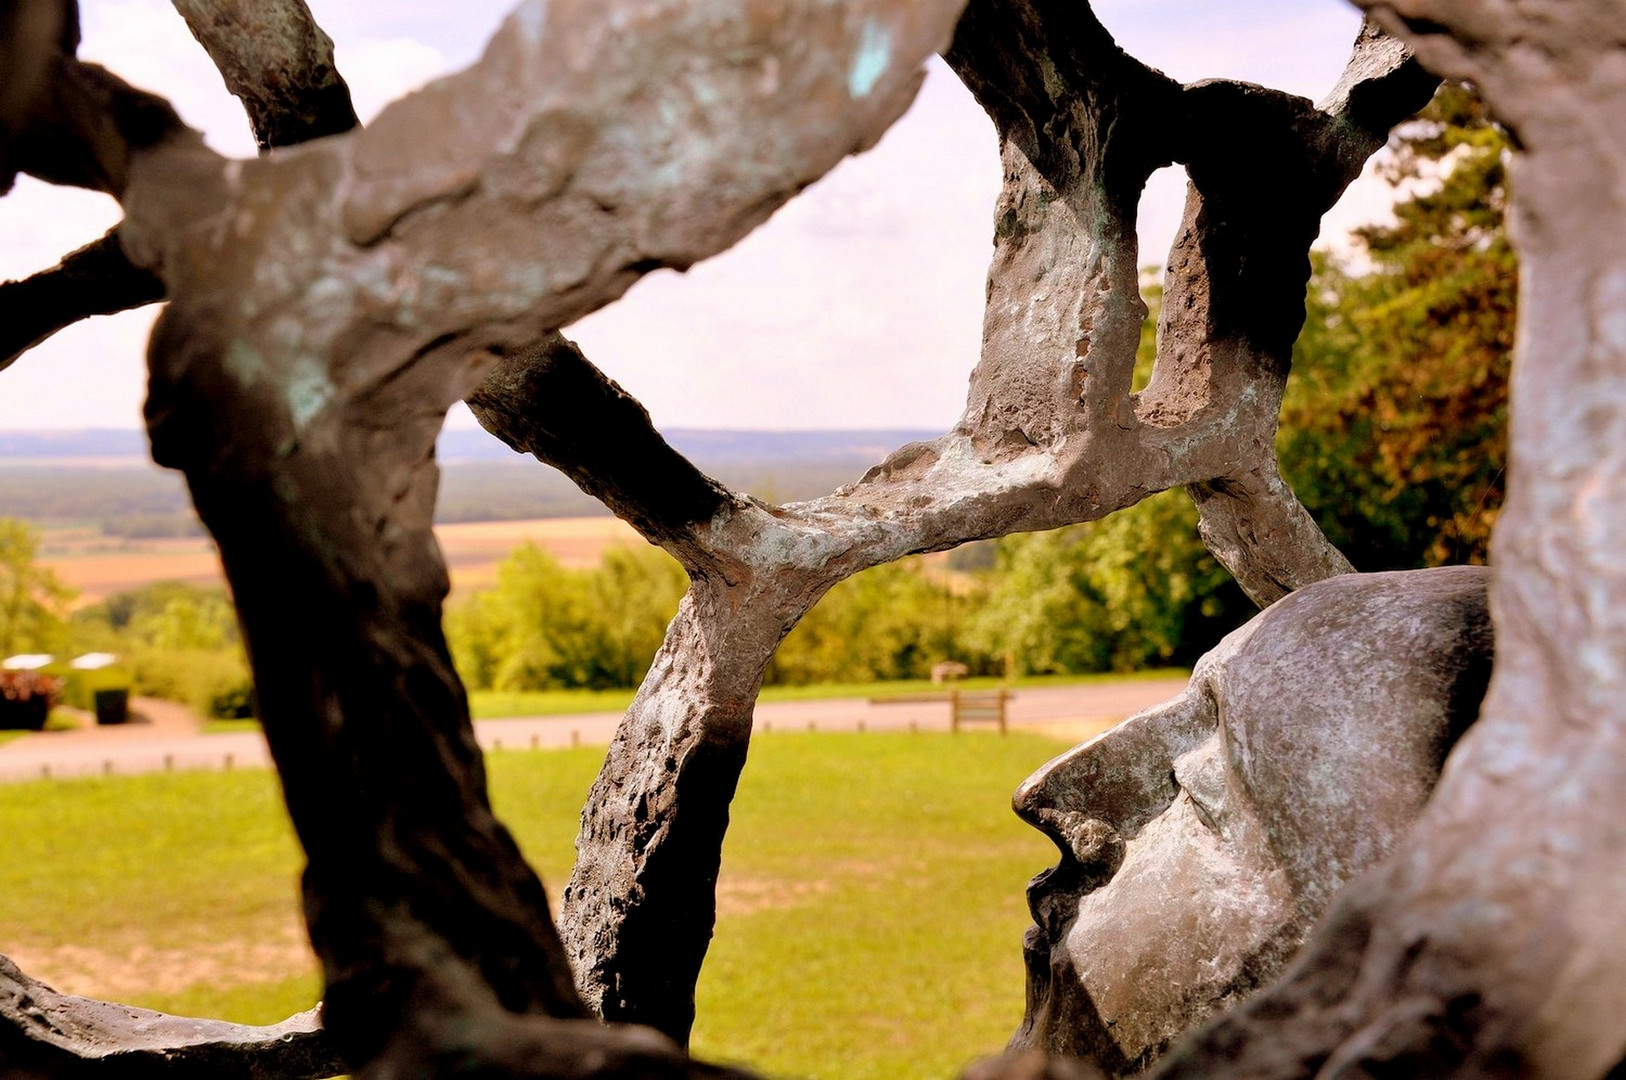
[[1036, 952], [1036, 960], [1053, 907], [1052, 898], [1039, 890]]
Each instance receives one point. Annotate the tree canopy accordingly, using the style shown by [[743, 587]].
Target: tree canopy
[[33, 603], [1394, 427]]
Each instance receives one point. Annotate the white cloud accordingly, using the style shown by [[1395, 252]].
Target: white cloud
[[1299, 47], [42, 223], [458, 31], [857, 305], [92, 374], [379, 70], [148, 44]]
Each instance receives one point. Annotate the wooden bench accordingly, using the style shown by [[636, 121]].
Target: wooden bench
[[978, 707]]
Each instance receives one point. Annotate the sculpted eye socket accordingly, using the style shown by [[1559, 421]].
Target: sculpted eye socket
[[1212, 700], [1200, 777], [1204, 814]]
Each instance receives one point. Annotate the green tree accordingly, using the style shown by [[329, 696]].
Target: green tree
[[165, 615], [1133, 590], [636, 592], [543, 626], [890, 622], [33, 603], [1394, 429]]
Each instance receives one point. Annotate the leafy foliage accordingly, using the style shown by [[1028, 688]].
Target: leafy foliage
[[544, 626], [33, 603], [1394, 427], [180, 642], [1134, 590], [890, 622]]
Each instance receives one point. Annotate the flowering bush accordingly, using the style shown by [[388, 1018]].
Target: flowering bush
[[26, 698]]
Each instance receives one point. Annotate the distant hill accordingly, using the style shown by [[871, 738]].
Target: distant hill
[[722, 448], [100, 443], [103, 477], [725, 449]]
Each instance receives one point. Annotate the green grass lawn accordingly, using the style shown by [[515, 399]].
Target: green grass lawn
[[871, 902], [873, 905], [227, 727], [496, 704]]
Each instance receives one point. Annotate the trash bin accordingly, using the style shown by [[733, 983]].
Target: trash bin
[[112, 706]]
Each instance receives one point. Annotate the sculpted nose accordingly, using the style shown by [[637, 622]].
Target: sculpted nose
[[1120, 779], [1057, 801], [1091, 849], [1033, 794], [1093, 844]]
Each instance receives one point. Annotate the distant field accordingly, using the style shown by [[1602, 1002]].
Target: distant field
[[103, 479], [99, 566], [112, 521], [473, 549]]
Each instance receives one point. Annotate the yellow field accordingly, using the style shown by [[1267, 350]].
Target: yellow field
[[98, 566], [473, 549]]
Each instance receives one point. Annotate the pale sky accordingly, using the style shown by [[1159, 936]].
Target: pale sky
[[858, 305]]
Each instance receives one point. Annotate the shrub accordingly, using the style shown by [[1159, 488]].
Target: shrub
[[214, 683], [79, 688], [235, 702], [544, 626]]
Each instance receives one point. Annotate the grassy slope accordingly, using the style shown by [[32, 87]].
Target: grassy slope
[[887, 873], [162, 863], [871, 894]]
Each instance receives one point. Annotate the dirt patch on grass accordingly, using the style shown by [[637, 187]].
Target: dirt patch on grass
[[747, 896], [119, 970]]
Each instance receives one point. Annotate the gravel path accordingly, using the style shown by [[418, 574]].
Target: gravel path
[[166, 735]]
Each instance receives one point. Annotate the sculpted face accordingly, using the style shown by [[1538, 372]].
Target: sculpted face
[[1201, 838]]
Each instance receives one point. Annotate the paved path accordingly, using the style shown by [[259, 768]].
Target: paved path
[[166, 743]]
